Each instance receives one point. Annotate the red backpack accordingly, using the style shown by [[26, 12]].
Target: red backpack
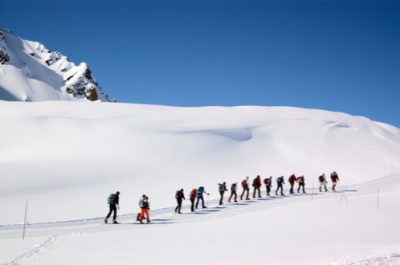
[[193, 193]]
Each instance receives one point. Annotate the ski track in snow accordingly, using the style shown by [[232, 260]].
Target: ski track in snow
[[392, 258], [166, 216], [40, 248]]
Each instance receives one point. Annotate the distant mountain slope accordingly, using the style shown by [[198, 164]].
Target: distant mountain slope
[[30, 72]]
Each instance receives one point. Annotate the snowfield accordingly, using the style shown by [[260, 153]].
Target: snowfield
[[67, 157]]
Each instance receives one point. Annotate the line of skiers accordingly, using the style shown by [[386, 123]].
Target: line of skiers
[[197, 195]]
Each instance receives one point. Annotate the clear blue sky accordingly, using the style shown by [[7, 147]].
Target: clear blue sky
[[335, 55]]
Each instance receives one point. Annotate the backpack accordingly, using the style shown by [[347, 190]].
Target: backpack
[[193, 193], [244, 183], [200, 191], [292, 178], [321, 178], [144, 204], [177, 194], [267, 181], [300, 180], [280, 180], [111, 199], [255, 181]]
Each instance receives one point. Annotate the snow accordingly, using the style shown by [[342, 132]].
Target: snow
[[67, 157]]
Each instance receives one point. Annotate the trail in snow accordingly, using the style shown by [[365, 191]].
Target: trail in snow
[[166, 216], [40, 248]]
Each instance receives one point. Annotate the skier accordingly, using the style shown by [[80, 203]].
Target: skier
[[200, 196], [280, 181], [222, 188], [180, 196], [335, 179], [257, 186], [322, 182], [144, 209], [245, 186], [233, 192], [113, 202], [302, 184], [268, 184], [292, 181], [192, 196]]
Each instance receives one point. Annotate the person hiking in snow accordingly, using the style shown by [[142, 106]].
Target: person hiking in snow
[[233, 192], [335, 179], [268, 184], [246, 189], [200, 196], [280, 181], [192, 196], [113, 203], [222, 188], [179, 196], [144, 209], [302, 183], [292, 180], [322, 182], [257, 186]]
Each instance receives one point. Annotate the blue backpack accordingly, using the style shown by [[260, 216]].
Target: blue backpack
[[280, 180], [200, 191], [111, 199]]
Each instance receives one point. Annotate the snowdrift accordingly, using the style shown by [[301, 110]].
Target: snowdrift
[[67, 157]]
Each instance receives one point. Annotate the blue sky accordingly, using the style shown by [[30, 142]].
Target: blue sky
[[335, 55]]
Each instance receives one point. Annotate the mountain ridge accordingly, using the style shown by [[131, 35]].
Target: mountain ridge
[[31, 72]]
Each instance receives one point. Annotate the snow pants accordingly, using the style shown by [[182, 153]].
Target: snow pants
[[268, 187], [113, 209], [301, 185], [221, 200], [233, 195], [323, 185], [178, 208], [291, 188], [144, 212], [257, 189], [280, 187], [245, 190], [202, 202], [192, 199], [334, 185]]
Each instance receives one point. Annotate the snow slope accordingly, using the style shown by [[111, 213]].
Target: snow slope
[[342, 228], [30, 72], [67, 157], [62, 153]]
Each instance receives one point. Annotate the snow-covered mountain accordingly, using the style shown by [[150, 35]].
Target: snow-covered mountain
[[30, 72]]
